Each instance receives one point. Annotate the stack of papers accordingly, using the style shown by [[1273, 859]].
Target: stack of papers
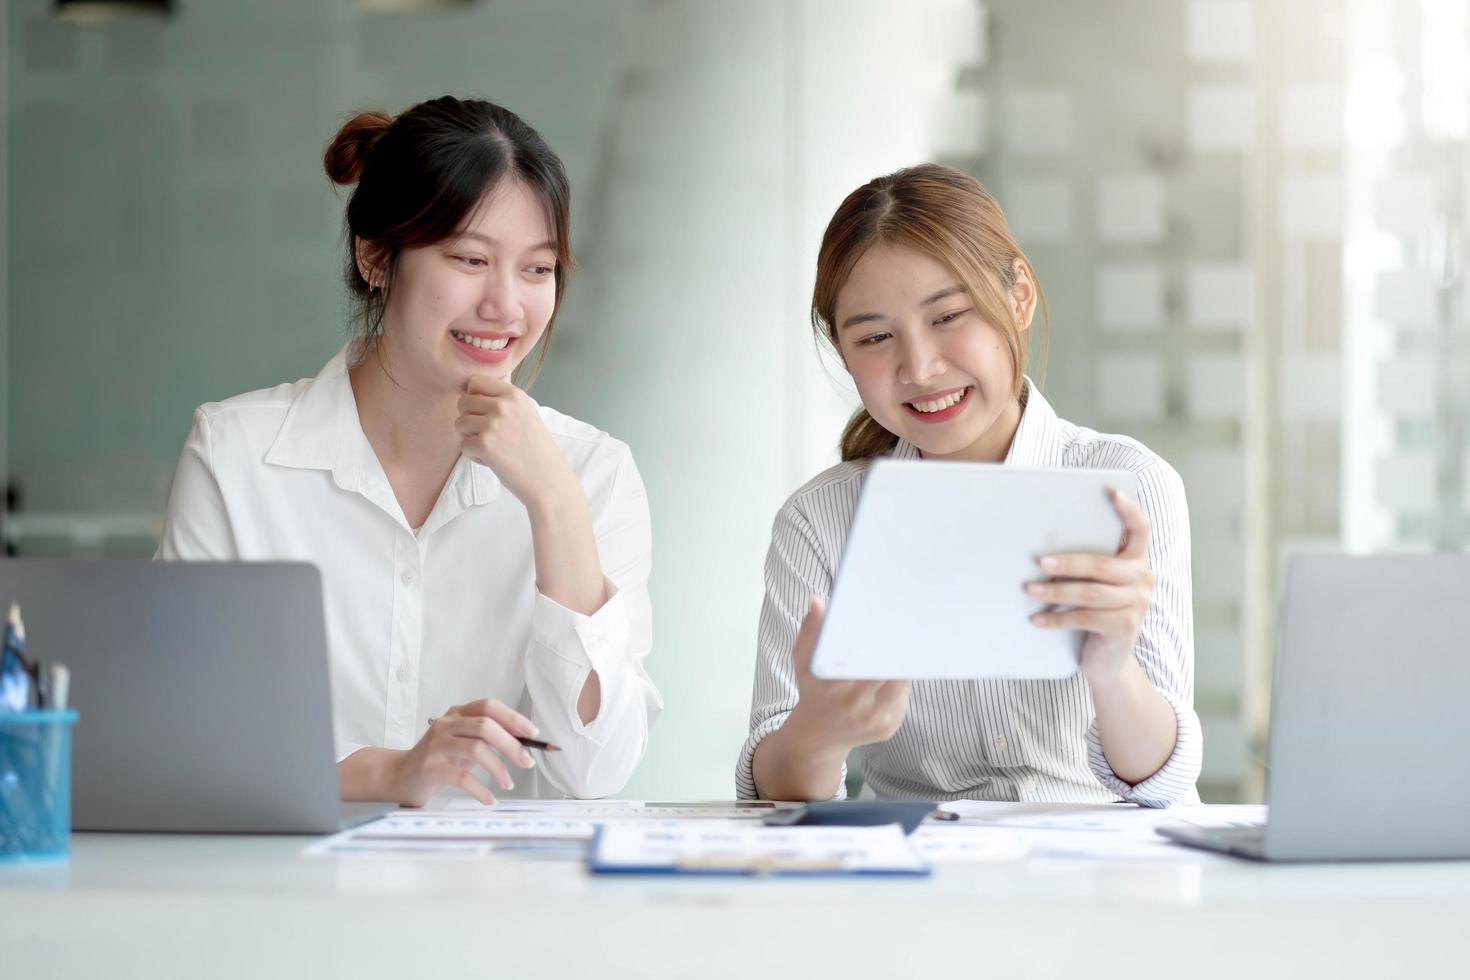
[[727, 837], [613, 809], [465, 828], [445, 834], [1091, 831]]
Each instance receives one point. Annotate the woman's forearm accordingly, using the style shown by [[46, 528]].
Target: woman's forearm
[[1137, 727], [789, 764], [568, 569], [369, 774]]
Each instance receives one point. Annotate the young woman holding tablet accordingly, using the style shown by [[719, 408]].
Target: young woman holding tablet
[[927, 299], [478, 551]]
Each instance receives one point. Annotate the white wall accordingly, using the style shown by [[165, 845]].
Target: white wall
[[176, 242], [742, 129]]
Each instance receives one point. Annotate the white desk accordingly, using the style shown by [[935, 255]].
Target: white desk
[[176, 906]]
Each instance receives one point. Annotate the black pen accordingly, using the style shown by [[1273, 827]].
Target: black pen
[[536, 743], [530, 743]]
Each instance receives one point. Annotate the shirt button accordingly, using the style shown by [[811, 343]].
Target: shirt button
[[1000, 742], [1030, 784], [406, 578], [403, 673]]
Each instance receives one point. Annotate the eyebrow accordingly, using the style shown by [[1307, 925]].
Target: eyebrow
[[929, 300], [548, 244]]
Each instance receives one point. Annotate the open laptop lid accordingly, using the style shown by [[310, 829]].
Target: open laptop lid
[[1371, 710], [201, 687]]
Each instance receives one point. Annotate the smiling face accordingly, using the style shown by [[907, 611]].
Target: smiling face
[[476, 302], [927, 364]]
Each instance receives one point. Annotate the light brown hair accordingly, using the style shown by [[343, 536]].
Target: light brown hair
[[948, 216]]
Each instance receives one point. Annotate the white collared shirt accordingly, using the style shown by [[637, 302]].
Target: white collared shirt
[[420, 622], [1032, 740]]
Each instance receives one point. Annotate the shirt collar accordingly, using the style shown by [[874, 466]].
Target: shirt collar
[[322, 431], [321, 415], [1035, 435]]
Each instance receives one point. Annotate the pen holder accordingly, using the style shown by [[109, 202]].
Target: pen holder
[[35, 784]]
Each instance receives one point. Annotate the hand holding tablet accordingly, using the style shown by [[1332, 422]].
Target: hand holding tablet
[[931, 581], [1105, 595], [848, 713]]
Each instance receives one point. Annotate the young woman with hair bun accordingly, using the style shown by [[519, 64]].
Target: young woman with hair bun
[[927, 299], [485, 559]]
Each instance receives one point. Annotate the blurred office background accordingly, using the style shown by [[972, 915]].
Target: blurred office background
[[1248, 215]]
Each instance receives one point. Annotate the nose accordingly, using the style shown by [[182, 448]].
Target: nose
[[920, 361], [500, 301]]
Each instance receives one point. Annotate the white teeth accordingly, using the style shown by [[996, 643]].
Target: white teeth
[[482, 343], [940, 404]]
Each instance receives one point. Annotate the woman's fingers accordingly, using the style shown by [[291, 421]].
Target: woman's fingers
[[481, 406], [1107, 622], [1084, 595], [1135, 526], [889, 707], [481, 755], [469, 425], [473, 404], [1119, 569], [510, 719], [1097, 568], [871, 709], [806, 637], [475, 788], [489, 732], [891, 693], [485, 384]]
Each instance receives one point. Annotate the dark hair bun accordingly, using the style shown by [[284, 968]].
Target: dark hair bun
[[348, 152]]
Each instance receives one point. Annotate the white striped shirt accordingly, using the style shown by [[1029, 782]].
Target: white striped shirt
[[1030, 740]]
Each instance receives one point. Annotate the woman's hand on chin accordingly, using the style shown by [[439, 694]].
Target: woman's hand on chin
[[500, 427]]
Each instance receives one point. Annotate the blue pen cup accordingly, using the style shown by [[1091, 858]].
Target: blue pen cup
[[35, 784]]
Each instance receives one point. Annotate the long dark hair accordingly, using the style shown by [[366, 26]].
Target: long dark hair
[[420, 174]]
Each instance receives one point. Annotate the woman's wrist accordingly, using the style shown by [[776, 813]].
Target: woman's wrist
[[815, 741], [568, 567], [792, 764], [1136, 724], [556, 498], [1117, 684], [1109, 677], [371, 774]]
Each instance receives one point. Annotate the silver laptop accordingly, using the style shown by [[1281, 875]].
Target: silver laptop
[[1370, 716], [202, 692]]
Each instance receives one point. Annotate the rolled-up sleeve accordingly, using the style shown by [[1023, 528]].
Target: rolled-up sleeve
[[1165, 646], [796, 568], [597, 759]]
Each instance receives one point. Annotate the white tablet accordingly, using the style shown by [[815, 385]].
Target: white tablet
[[930, 584]]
